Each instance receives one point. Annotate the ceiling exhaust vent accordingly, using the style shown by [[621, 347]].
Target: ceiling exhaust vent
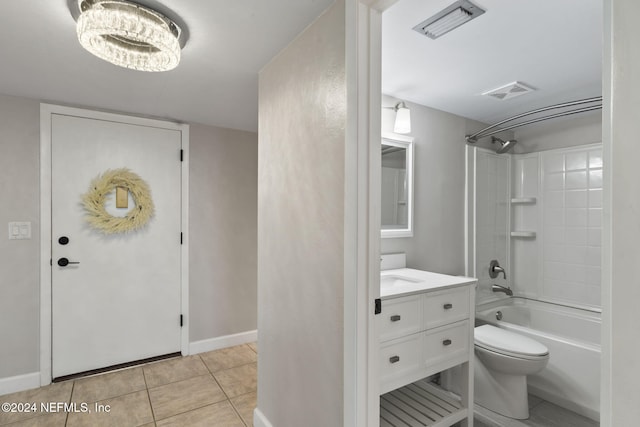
[[509, 91], [448, 19]]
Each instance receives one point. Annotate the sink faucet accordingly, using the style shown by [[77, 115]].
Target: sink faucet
[[495, 269], [498, 288]]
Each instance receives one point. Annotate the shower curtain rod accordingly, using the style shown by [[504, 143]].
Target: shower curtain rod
[[484, 132]]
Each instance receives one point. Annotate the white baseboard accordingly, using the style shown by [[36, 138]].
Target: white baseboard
[[19, 383], [259, 420], [222, 342]]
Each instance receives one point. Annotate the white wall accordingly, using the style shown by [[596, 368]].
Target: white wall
[[621, 370], [301, 212], [223, 266], [585, 128], [438, 236], [19, 259], [223, 206], [439, 180]]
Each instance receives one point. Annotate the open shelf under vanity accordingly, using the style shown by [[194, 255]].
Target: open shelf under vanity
[[421, 403]]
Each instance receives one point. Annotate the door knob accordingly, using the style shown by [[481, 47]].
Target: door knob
[[63, 262]]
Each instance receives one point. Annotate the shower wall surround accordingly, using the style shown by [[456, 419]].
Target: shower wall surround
[[540, 215], [491, 217], [562, 262]]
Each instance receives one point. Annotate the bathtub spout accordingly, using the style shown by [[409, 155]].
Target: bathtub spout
[[498, 288]]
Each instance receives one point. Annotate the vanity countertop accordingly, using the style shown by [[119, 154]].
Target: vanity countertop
[[407, 281]]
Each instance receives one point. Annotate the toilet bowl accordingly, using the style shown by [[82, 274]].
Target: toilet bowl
[[503, 359]]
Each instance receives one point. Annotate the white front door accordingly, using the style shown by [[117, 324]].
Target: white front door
[[121, 302]]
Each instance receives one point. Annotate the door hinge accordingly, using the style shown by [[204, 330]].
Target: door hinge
[[181, 155], [181, 237], [378, 308], [50, 261], [181, 320]]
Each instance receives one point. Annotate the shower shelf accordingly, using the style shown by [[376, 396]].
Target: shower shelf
[[523, 200], [523, 234]]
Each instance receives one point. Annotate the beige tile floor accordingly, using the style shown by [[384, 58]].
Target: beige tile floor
[[215, 389]]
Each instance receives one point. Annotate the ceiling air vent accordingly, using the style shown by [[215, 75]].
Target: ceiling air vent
[[509, 91], [447, 19]]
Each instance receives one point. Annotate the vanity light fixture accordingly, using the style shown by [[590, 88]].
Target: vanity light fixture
[[403, 118], [128, 35]]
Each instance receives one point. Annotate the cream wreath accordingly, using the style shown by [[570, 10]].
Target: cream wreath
[[93, 201]]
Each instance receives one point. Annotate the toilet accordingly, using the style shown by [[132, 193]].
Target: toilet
[[503, 359]]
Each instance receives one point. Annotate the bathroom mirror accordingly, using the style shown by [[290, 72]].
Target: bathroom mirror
[[397, 186]]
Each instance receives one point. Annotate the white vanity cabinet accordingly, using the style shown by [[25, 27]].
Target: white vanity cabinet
[[425, 328]]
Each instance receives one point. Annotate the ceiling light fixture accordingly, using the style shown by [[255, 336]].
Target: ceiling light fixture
[[448, 19], [128, 35], [403, 118]]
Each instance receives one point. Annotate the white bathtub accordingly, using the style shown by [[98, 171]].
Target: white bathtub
[[572, 376]]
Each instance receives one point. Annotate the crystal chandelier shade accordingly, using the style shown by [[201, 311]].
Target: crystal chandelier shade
[[128, 35]]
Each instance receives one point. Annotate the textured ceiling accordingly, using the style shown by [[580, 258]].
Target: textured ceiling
[[216, 82], [553, 46]]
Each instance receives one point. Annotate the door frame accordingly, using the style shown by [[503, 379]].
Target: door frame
[[359, 391], [46, 112], [362, 200]]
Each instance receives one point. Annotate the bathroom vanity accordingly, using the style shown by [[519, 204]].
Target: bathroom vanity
[[426, 326]]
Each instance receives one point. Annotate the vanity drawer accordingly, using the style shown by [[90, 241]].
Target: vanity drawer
[[444, 307], [400, 317], [400, 359], [446, 343]]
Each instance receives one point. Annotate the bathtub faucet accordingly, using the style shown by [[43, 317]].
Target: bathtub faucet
[[498, 288], [495, 269]]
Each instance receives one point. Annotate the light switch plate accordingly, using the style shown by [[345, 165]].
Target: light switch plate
[[20, 230]]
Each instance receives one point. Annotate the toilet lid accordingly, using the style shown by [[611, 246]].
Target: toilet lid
[[507, 342]]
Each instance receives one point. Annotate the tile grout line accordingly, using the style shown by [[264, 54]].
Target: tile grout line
[[153, 413], [225, 369], [190, 410], [73, 386], [210, 374], [193, 376], [214, 378], [40, 401], [146, 386], [231, 401], [255, 351], [27, 418], [238, 412], [223, 391], [220, 385], [114, 397]]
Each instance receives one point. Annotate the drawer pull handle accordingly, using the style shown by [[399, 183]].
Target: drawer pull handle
[[447, 306], [395, 317], [446, 342], [394, 359]]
